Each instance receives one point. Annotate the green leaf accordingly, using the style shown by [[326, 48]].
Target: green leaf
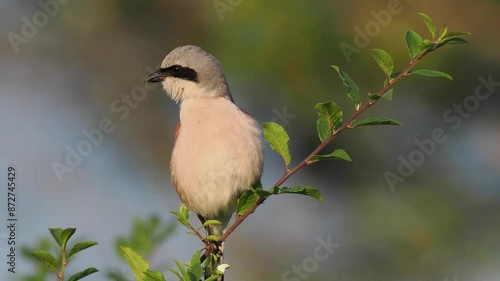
[[337, 154], [278, 139], [431, 73], [182, 270], [384, 60], [373, 97], [376, 121], [66, 235], [245, 202], [82, 274], [304, 190], [426, 43], [452, 41], [456, 34], [46, 258], [154, 276], [331, 113], [413, 43], [136, 262], [182, 215], [444, 30], [352, 88], [324, 129], [388, 94], [211, 222], [212, 238], [80, 247], [430, 24], [175, 272], [56, 233], [266, 193], [195, 270]]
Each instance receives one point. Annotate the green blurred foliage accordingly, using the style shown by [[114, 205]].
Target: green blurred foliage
[[40, 272], [147, 235]]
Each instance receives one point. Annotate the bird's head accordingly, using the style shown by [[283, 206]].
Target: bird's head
[[190, 72]]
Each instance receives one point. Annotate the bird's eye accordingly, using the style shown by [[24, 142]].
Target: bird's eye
[[176, 69]]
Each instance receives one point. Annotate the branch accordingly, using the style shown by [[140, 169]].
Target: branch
[[346, 125]]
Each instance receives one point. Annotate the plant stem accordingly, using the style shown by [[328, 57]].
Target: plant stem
[[197, 233], [63, 262]]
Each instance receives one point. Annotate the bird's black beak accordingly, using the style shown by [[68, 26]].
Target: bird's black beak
[[156, 77]]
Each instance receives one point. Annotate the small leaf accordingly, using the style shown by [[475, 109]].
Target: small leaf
[[330, 112], [431, 73], [154, 276], [430, 24], [211, 222], [136, 262], [196, 270], [175, 272], [456, 34], [66, 235], [304, 190], [426, 43], [82, 274], [384, 60], [444, 30], [452, 41], [212, 238], [245, 202], [388, 94], [80, 247], [373, 97], [258, 190], [337, 154], [266, 193], [46, 258], [278, 139], [324, 129], [56, 233], [182, 270], [413, 43], [376, 121], [352, 88], [182, 215]]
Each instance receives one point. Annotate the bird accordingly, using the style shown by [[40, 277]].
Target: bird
[[218, 151]]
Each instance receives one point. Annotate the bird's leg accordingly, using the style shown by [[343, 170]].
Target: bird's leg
[[214, 252], [202, 219]]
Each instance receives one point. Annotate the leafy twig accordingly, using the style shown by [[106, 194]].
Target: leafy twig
[[417, 47]]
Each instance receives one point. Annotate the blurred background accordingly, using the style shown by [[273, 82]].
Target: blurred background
[[69, 65]]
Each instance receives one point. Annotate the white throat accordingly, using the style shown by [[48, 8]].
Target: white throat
[[180, 90]]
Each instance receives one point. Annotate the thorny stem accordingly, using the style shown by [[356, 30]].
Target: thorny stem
[[346, 125]]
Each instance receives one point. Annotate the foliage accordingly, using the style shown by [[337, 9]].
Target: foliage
[[58, 266]]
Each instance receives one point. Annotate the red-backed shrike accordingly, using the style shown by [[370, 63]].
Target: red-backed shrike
[[217, 153]]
